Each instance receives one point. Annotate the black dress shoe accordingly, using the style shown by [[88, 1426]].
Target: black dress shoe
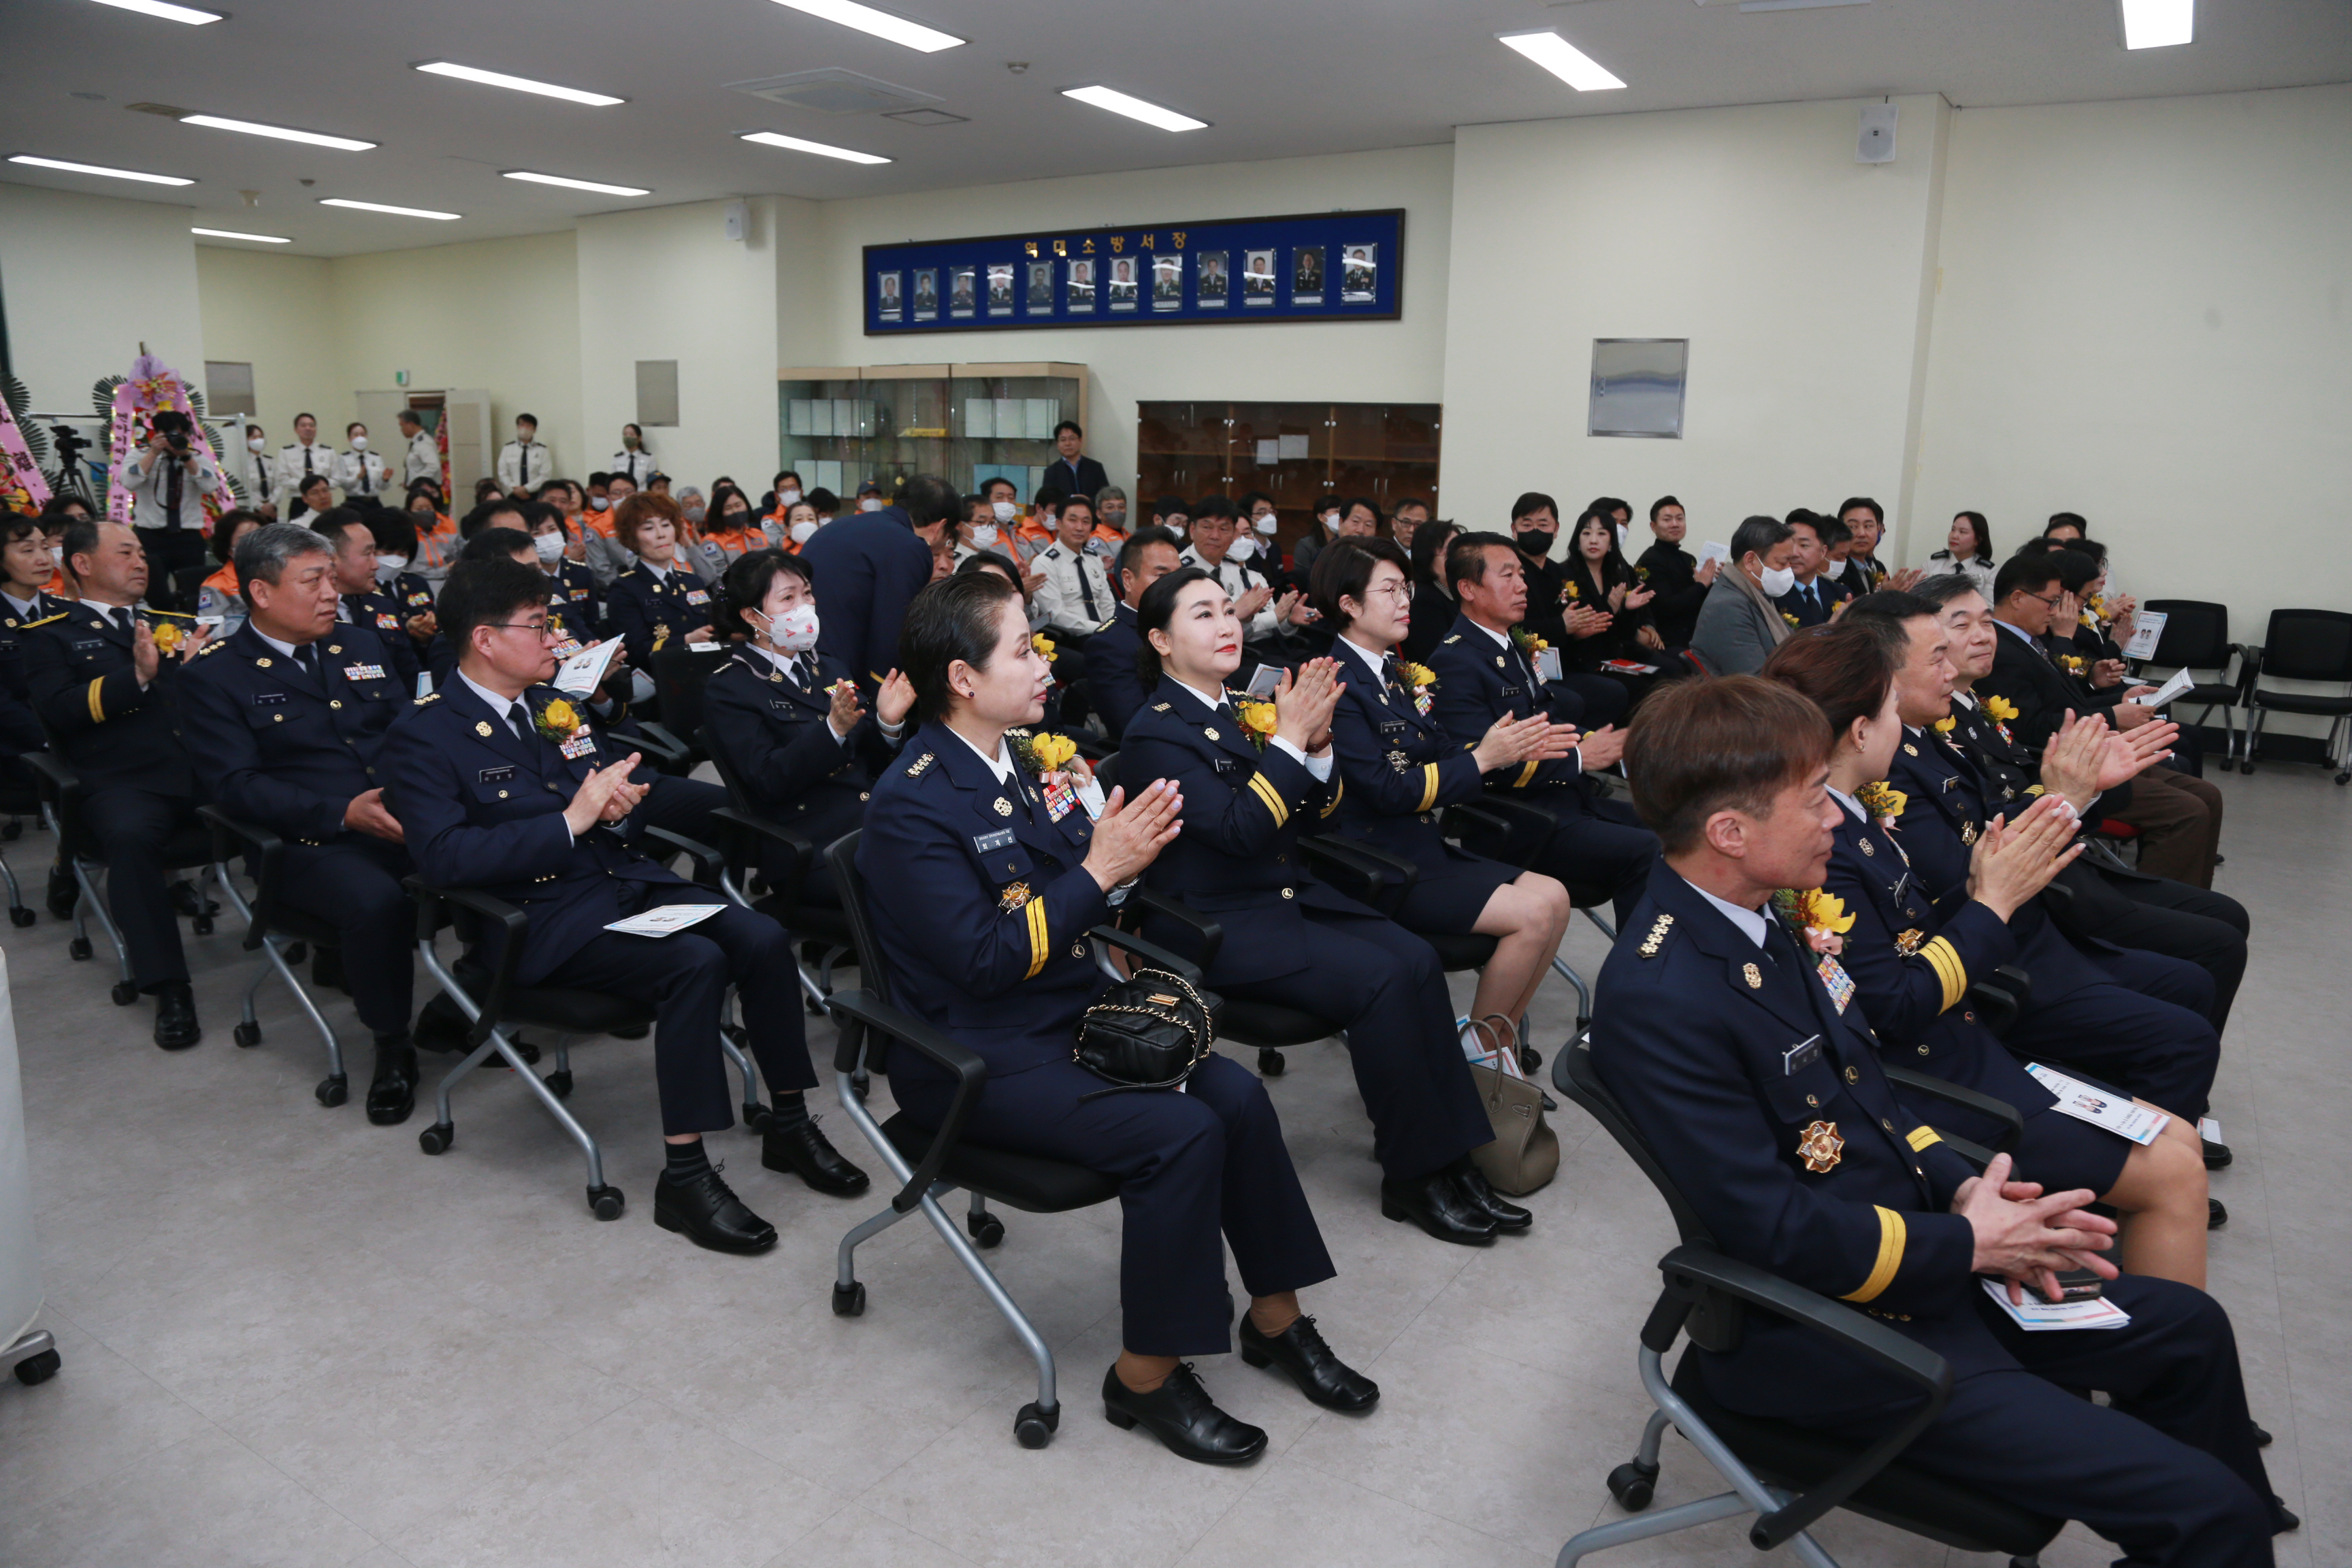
[[175, 1016], [63, 892], [2262, 1438], [440, 1027], [1439, 1206], [2286, 1520], [393, 1093], [185, 901], [802, 1150], [706, 1211], [1181, 1414], [1299, 1351], [2216, 1216], [1487, 1201], [2217, 1155]]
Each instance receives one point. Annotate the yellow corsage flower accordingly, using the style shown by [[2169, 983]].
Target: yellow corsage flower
[[1947, 724], [2073, 661], [1527, 642], [1821, 915], [1052, 751], [1416, 675], [1999, 710], [1042, 643], [1882, 802], [1792, 619], [557, 720], [1257, 721], [167, 637], [1570, 592]]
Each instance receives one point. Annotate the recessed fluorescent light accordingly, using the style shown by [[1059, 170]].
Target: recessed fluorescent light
[[518, 83], [215, 122], [574, 184], [2158, 24], [232, 234], [881, 24], [397, 212], [1119, 102], [794, 143], [1563, 59], [188, 14], [96, 169]]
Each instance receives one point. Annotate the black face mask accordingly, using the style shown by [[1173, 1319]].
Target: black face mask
[[1537, 542]]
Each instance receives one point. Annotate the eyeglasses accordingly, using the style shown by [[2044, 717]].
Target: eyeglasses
[[538, 628], [1393, 590], [2051, 601]]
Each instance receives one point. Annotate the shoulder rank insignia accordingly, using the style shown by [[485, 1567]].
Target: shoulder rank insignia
[[1753, 975], [1160, 708], [45, 620], [210, 647], [1454, 638], [1820, 1148], [1908, 942], [915, 769], [1657, 934], [429, 697]]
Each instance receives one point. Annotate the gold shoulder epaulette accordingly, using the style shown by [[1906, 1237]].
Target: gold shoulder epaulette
[[1160, 708], [45, 620], [1657, 934], [210, 647], [175, 615], [429, 697], [915, 769], [1454, 638]]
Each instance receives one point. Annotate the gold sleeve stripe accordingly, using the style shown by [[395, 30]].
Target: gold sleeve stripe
[[1428, 786], [98, 701], [1264, 789], [1339, 788], [1525, 773], [1920, 1137], [1891, 1236], [1036, 910], [1946, 961]]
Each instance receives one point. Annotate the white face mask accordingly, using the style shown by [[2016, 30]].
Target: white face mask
[[789, 497], [1243, 549], [359, 443], [1004, 510], [548, 546], [1779, 580], [1332, 521], [803, 532], [387, 567], [600, 503], [254, 444], [983, 536], [1265, 525], [869, 503], [523, 437], [795, 631], [1175, 530], [58, 555]]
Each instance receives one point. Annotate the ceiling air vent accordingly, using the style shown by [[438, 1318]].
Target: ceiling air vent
[[835, 91], [927, 116]]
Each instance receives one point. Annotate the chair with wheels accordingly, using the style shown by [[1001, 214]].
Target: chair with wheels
[[1788, 1477], [495, 1006], [1516, 834], [61, 797], [278, 933], [2309, 646], [18, 802], [679, 674], [2197, 638], [746, 837], [931, 1164]]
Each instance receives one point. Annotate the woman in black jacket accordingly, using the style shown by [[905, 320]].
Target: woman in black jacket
[[1433, 608], [1600, 580]]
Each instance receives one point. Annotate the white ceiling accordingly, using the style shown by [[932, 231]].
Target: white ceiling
[[1275, 77]]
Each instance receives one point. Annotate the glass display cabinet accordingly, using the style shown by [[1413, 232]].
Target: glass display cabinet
[[838, 428]]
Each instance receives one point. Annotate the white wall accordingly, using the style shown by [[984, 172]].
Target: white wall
[[2146, 317], [275, 313], [1398, 362], [86, 281], [1795, 272]]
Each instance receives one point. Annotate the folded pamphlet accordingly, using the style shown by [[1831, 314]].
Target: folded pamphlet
[[2036, 1316], [666, 919]]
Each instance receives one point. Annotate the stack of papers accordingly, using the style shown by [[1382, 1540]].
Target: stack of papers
[[2038, 1317], [2118, 1112], [662, 921], [583, 672], [2181, 681]]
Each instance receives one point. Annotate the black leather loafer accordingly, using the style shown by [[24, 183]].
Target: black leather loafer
[[175, 1016], [1299, 1351], [185, 901], [2216, 1216], [1181, 1414], [707, 1212], [392, 1095], [440, 1027], [64, 893], [2217, 1155], [1506, 1214], [802, 1151], [1436, 1205], [2262, 1438]]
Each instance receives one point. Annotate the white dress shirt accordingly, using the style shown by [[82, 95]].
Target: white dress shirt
[[520, 466], [148, 477], [1061, 601], [361, 473], [422, 460], [1238, 577], [295, 462]]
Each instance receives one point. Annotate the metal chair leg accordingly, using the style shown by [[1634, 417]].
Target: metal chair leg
[[334, 1089], [1583, 991], [1594, 916]]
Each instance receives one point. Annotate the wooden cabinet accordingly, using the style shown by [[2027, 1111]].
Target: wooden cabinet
[[1295, 452]]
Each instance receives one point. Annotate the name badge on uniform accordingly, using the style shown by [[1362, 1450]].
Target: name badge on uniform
[[1840, 984], [581, 744], [362, 672], [85, 645], [1801, 1056], [267, 699], [1510, 692], [496, 775], [1391, 726], [1225, 764], [989, 843], [696, 597]]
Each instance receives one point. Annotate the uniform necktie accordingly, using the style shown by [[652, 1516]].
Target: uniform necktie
[[520, 717], [127, 619], [367, 481], [307, 655], [1087, 590], [522, 460], [1391, 674], [306, 459]]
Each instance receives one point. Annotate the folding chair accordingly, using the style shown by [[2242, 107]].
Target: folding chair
[[824, 925], [61, 794], [1788, 1476], [931, 1164], [278, 933], [2197, 636], [679, 674], [2303, 645], [14, 804]]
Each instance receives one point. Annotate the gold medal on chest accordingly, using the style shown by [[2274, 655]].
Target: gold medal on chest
[[1819, 1147]]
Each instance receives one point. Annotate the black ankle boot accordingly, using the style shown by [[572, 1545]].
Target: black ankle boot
[[391, 1094]]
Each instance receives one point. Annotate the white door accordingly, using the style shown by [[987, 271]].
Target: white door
[[468, 411]]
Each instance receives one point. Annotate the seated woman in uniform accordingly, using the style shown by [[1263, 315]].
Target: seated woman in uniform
[[983, 889], [219, 595], [1251, 790], [1910, 966], [659, 603], [784, 721], [1400, 768], [1600, 579]]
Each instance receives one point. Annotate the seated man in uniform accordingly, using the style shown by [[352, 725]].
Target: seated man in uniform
[[363, 603], [1724, 1040], [1483, 672], [284, 722], [1114, 679], [499, 784]]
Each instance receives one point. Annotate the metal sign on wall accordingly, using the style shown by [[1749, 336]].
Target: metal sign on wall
[[1313, 268]]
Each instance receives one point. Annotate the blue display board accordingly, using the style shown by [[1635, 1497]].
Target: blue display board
[[1322, 267]]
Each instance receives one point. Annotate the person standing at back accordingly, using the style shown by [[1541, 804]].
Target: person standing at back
[[1072, 471], [297, 462], [633, 460], [360, 472], [168, 480], [526, 460], [869, 565], [420, 454]]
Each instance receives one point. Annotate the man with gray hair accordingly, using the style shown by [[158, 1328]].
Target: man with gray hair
[[283, 719]]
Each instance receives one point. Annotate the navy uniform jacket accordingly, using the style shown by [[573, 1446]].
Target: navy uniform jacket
[[85, 687], [1692, 1025], [1399, 766], [2022, 672], [648, 612], [575, 584], [1237, 859], [774, 738], [868, 566], [279, 747], [982, 902], [481, 808], [20, 731], [1114, 684], [382, 614], [1477, 683]]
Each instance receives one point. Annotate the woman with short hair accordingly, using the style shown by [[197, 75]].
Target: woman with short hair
[[650, 605], [1968, 550]]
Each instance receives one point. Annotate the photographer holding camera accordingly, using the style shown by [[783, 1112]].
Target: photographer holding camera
[[168, 480]]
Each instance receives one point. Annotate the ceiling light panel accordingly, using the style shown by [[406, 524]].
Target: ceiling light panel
[[570, 184], [312, 138], [232, 234], [1564, 60], [1134, 108], [794, 144], [2158, 24], [517, 83], [27, 159], [188, 14], [397, 212], [881, 24]]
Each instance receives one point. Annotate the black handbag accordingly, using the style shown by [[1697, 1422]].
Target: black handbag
[[1149, 1031]]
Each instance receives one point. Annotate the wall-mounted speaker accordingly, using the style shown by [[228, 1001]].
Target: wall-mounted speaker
[[1876, 142]]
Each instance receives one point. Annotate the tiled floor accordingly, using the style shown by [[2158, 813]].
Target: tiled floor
[[289, 1338]]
